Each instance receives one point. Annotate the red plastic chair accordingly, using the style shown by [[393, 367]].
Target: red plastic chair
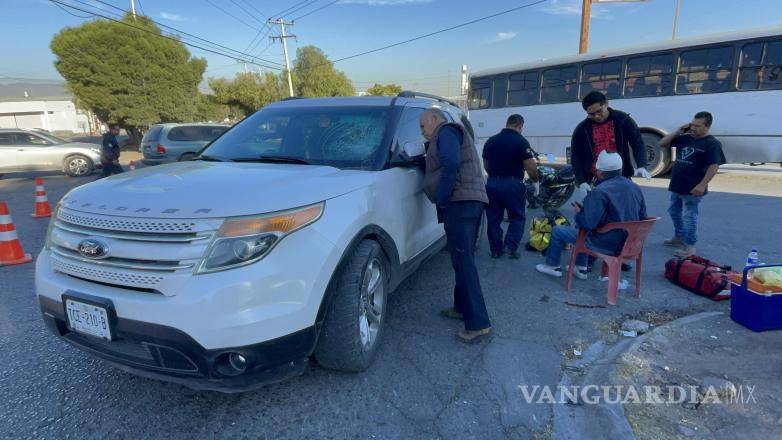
[[632, 250]]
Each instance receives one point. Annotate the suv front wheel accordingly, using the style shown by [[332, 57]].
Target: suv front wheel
[[354, 321]]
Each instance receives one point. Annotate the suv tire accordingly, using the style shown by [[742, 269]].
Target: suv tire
[[354, 320], [78, 165]]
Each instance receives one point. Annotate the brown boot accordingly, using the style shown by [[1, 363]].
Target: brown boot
[[451, 313], [472, 336]]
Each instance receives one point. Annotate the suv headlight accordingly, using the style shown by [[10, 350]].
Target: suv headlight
[[244, 240]]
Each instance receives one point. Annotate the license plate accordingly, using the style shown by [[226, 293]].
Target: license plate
[[88, 319]]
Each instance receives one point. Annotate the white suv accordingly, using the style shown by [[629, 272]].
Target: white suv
[[280, 242]]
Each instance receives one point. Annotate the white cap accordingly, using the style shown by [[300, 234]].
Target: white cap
[[607, 161]]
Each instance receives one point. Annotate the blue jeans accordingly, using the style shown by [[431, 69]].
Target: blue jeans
[[462, 221], [684, 214], [505, 194], [560, 236]]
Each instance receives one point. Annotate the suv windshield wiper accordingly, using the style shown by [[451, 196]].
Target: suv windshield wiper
[[265, 158], [208, 158]]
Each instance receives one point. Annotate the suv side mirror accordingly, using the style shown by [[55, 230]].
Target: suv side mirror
[[412, 151]]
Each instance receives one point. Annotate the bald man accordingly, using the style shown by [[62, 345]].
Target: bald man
[[454, 182]]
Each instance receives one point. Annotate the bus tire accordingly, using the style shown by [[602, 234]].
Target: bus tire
[[658, 159]]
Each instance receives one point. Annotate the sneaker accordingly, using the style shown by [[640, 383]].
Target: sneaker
[[473, 336], [451, 313], [496, 254], [674, 242], [626, 267], [549, 270], [685, 251], [579, 272]]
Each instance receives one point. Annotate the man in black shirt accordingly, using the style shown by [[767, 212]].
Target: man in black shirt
[[109, 153], [506, 156], [698, 157]]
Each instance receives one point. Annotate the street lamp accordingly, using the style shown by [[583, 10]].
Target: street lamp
[[586, 11]]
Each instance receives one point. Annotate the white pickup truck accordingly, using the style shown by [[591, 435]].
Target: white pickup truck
[[278, 243]]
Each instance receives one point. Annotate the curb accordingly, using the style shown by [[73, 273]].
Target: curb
[[603, 420]]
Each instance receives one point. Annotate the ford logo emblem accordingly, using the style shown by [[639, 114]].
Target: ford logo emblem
[[93, 248]]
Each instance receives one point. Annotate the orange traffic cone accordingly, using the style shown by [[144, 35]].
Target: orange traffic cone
[[132, 165], [42, 208], [10, 249]]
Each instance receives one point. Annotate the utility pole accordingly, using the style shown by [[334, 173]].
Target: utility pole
[[133, 8], [282, 38], [586, 13], [676, 19]]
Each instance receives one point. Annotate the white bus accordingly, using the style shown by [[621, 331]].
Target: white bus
[[737, 77]]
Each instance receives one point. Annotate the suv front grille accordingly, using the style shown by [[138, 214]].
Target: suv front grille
[[147, 254]]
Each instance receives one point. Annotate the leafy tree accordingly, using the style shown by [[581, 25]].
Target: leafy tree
[[384, 90], [208, 109], [127, 76], [247, 91], [314, 75]]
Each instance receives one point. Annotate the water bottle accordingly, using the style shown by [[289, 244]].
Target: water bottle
[[752, 260]]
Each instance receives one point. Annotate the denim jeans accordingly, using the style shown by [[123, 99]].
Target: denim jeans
[[684, 214], [560, 236], [462, 221], [505, 194]]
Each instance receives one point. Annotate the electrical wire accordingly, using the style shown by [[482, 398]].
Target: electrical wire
[[316, 10], [285, 11], [71, 13], [212, 43], [312, 2], [231, 15], [165, 36]]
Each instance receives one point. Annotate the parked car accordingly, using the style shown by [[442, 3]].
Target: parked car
[[165, 143], [37, 150], [279, 243]]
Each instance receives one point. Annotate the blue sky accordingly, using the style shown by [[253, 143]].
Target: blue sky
[[352, 26]]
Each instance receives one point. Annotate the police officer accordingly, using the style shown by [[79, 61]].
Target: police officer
[[506, 156], [109, 153], [453, 180]]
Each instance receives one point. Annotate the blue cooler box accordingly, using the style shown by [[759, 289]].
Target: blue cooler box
[[755, 311]]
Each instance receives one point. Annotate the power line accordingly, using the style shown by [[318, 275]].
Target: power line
[[420, 37], [285, 11], [71, 13], [212, 43], [164, 36], [316, 10], [142, 8], [231, 15], [302, 7]]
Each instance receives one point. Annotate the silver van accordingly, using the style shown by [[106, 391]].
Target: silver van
[[165, 143]]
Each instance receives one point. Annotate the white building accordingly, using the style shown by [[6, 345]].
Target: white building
[[53, 114]]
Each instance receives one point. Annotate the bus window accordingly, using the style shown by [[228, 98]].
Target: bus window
[[560, 84], [480, 94], [603, 77], [499, 91], [523, 88], [761, 66], [705, 70], [649, 76]]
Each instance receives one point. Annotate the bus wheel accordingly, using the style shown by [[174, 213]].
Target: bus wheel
[[657, 159]]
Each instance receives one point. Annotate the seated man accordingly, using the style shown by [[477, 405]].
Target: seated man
[[614, 199]]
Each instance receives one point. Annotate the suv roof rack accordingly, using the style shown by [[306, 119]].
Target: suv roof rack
[[413, 94]]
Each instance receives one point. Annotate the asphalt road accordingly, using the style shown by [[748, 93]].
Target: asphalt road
[[424, 384]]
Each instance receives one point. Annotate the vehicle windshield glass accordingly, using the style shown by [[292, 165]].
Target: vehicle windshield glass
[[342, 137]]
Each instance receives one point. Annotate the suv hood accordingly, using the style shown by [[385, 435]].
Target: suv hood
[[201, 189]]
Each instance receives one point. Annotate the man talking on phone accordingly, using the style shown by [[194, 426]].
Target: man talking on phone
[[615, 198], [698, 157]]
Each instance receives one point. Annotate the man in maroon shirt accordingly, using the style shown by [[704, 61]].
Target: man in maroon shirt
[[605, 129]]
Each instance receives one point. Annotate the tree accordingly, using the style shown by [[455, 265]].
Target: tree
[[247, 91], [384, 90], [127, 76], [207, 109], [314, 75]]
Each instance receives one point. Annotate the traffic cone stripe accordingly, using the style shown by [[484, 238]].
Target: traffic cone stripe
[[8, 235], [42, 207], [5, 219]]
